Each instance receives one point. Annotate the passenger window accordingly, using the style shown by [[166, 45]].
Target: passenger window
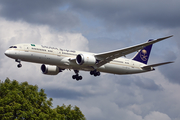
[[11, 47]]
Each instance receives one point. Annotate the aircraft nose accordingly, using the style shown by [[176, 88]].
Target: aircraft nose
[[7, 53], [10, 53]]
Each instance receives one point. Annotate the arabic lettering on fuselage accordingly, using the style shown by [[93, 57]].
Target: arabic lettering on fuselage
[[65, 50], [54, 48]]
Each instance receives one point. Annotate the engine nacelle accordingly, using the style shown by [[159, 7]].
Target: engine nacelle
[[50, 70], [84, 59]]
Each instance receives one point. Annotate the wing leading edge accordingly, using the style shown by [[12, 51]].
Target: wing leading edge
[[109, 56]]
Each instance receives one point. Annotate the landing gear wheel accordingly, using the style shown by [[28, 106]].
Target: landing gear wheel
[[77, 77], [80, 77], [95, 73], [98, 73], [74, 77], [19, 61], [92, 72], [19, 65]]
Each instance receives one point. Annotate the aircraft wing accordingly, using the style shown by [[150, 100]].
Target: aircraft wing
[[109, 56]]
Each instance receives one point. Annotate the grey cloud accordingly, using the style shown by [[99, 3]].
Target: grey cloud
[[172, 72], [146, 95], [148, 84], [114, 13], [63, 93], [117, 13], [39, 12], [143, 83]]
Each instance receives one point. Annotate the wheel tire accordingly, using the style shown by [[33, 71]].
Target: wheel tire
[[19, 65], [77, 78], [98, 73], [74, 77], [95, 74], [80, 77], [92, 72]]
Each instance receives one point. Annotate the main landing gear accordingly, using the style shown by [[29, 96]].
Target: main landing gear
[[95, 73], [19, 61], [77, 77]]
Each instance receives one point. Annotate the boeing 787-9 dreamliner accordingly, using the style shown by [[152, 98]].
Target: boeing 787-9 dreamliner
[[55, 60]]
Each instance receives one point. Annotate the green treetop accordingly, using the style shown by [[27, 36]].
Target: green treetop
[[23, 101]]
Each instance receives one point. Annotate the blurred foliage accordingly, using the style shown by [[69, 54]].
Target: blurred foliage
[[23, 101]]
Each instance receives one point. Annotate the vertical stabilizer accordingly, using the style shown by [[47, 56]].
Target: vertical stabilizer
[[143, 54]]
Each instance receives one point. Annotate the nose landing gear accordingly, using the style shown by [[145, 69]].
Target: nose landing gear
[[19, 61]]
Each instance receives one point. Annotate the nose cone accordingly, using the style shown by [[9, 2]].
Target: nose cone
[[10, 53], [7, 52]]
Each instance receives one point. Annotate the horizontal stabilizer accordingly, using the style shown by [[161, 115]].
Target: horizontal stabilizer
[[150, 67]]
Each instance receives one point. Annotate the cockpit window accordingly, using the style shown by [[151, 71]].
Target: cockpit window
[[13, 47]]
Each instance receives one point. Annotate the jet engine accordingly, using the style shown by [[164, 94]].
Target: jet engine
[[50, 70], [84, 59]]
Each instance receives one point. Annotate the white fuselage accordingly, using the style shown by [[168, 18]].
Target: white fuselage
[[65, 59]]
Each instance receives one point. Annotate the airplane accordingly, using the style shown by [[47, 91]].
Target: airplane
[[55, 60]]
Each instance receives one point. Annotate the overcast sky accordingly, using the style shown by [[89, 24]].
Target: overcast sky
[[99, 26]]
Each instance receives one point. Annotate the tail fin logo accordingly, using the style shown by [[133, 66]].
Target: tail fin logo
[[143, 55]]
